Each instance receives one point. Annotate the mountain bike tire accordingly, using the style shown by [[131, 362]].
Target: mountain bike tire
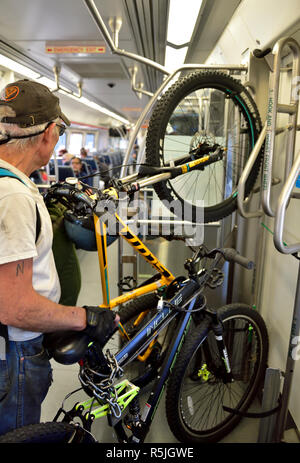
[[143, 371], [48, 433], [128, 312], [179, 124], [196, 392]]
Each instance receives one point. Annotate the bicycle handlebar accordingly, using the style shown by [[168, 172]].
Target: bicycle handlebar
[[73, 193], [229, 254], [261, 53]]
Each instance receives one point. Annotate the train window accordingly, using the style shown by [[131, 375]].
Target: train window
[[75, 143], [90, 141]]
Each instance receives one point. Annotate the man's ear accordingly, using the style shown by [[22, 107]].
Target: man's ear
[[49, 132]]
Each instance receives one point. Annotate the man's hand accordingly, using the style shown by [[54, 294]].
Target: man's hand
[[101, 323]]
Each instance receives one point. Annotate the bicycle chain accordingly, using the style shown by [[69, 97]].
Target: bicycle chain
[[105, 391]]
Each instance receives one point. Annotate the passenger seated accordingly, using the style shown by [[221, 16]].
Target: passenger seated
[[81, 170], [83, 153]]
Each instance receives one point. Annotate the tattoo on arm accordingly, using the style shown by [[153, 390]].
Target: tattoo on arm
[[20, 268]]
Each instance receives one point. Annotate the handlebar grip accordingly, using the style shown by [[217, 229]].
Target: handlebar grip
[[85, 198], [72, 193], [261, 53], [231, 255]]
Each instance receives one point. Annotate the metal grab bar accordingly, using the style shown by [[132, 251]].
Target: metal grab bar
[[282, 203], [90, 4], [273, 108], [245, 174]]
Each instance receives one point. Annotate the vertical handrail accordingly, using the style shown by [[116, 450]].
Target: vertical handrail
[[273, 108], [103, 29], [284, 248], [290, 366]]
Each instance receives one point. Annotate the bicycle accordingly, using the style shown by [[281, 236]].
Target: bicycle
[[218, 119], [225, 353], [87, 230]]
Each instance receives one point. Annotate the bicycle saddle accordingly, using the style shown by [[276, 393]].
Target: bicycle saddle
[[66, 347]]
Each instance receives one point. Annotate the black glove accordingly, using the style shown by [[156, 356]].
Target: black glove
[[100, 323]]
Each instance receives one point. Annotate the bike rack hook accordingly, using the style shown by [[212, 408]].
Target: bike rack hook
[[282, 203], [273, 108]]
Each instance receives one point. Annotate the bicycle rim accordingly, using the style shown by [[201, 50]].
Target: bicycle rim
[[203, 394]]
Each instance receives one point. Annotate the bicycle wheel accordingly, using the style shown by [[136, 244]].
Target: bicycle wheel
[[204, 108], [196, 392], [129, 317], [47, 433], [130, 311]]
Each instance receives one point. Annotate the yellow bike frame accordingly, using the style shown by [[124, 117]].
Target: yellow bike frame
[[134, 241], [127, 234]]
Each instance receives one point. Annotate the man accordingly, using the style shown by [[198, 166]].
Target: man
[[30, 124]]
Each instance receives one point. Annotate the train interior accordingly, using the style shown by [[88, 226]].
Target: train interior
[[105, 60]]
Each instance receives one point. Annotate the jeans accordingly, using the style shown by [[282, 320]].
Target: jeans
[[25, 377]]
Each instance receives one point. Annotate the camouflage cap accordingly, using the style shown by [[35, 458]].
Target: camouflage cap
[[32, 103]]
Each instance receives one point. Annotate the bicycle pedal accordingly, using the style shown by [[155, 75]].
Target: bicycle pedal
[[216, 278], [127, 284]]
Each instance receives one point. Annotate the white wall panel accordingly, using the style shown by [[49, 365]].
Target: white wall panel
[[257, 24]]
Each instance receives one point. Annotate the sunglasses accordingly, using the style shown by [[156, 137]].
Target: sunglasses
[[61, 131]]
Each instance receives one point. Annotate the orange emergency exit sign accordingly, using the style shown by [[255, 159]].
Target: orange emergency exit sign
[[75, 49]]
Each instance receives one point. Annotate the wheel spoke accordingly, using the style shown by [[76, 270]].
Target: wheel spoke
[[202, 400], [203, 108]]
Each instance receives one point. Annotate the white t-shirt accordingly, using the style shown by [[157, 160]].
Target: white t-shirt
[[18, 235]]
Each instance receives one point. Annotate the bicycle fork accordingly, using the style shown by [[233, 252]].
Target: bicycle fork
[[217, 327]]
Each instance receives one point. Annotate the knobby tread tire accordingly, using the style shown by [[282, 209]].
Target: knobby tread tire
[[192, 342], [136, 306], [160, 117]]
